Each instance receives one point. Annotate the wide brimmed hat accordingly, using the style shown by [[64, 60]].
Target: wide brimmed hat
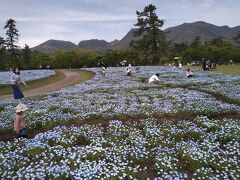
[[21, 108], [176, 58]]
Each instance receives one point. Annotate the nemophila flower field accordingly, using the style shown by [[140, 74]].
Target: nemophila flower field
[[231, 90], [26, 75], [122, 127], [117, 94], [135, 149]]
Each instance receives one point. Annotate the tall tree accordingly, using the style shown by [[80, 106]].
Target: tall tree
[[216, 42], [151, 39], [236, 39], [3, 54], [12, 37], [27, 56], [179, 48], [2, 42], [196, 42]]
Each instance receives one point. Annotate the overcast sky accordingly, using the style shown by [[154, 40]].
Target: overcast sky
[[76, 20]]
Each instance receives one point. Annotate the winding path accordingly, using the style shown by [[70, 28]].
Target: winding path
[[71, 77]]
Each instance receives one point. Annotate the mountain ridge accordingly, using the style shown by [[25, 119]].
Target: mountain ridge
[[52, 45], [183, 33]]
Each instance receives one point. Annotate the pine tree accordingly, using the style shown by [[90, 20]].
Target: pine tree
[[196, 42], [3, 54], [151, 39], [236, 39], [27, 56], [12, 37], [2, 43]]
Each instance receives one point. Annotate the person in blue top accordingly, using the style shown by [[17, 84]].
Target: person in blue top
[[15, 82]]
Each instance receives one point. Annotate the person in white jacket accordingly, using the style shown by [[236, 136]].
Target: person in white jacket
[[129, 70], [15, 82], [154, 79]]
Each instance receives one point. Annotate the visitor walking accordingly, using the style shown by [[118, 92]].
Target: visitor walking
[[103, 71], [101, 64], [15, 82], [180, 65]]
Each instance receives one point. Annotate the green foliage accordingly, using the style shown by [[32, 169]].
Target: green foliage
[[34, 152], [27, 57], [190, 164], [82, 140], [4, 59], [219, 54], [67, 110], [195, 135], [196, 42], [217, 50], [53, 108], [39, 59], [143, 80], [1, 109], [236, 39], [2, 42], [96, 156]]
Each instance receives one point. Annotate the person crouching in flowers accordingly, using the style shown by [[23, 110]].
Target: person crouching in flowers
[[128, 71], [154, 79], [103, 71], [189, 73], [15, 82], [19, 122]]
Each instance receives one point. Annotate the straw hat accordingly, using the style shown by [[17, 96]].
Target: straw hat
[[21, 108]]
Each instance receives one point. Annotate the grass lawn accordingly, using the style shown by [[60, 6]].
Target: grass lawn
[[84, 75], [59, 74], [225, 69]]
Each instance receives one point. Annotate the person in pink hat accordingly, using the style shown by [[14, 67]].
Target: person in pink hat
[[19, 122]]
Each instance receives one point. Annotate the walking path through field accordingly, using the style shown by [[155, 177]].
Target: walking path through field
[[71, 77]]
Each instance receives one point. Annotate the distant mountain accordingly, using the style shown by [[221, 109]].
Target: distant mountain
[[54, 45], [124, 42], [102, 45], [95, 45], [184, 33], [114, 42]]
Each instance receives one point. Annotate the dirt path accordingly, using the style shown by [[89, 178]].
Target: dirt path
[[71, 77]]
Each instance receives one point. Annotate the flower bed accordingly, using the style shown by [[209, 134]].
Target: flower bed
[[26, 75], [110, 96], [187, 149], [142, 147]]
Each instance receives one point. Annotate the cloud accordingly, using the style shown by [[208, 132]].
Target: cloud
[[207, 3], [75, 20], [77, 17]]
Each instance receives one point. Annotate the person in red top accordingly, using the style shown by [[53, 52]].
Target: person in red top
[[19, 122]]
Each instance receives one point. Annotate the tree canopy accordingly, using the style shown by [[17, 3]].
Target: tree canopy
[[12, 36], [152, 40]]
